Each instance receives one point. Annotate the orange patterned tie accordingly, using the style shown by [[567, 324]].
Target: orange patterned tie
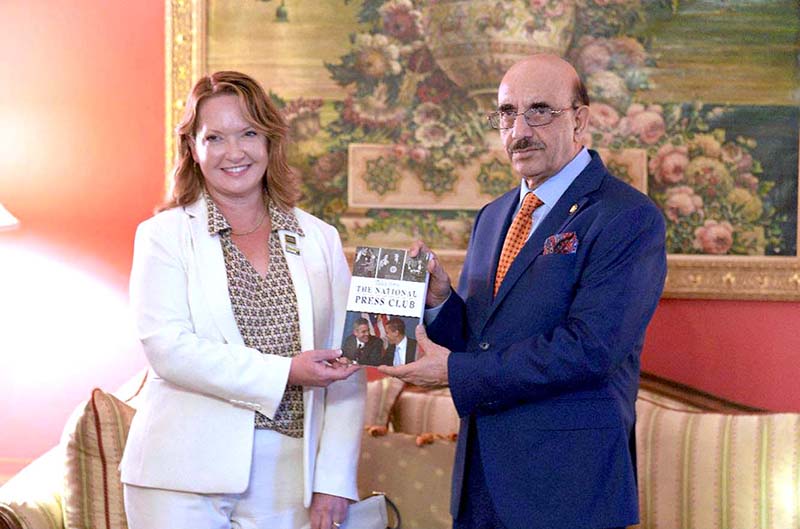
[[516, 237]]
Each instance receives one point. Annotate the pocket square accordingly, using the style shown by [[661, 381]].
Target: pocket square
[[561, 243]]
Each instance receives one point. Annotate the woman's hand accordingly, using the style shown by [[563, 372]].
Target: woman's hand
[[327, 511], [319, 367]]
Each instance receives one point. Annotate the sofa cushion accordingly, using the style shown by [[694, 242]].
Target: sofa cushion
[[381, 396], [418, 412], [415, 478], [94, 445], [714, 470]]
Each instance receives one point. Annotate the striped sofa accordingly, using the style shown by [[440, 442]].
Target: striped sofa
[[703, 463], [709, 470]]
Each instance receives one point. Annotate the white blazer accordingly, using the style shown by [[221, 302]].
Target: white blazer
[[193, 430]]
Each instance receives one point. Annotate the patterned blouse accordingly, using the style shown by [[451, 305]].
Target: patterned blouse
[[265, 308]]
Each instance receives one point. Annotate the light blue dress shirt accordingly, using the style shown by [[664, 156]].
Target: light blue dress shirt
[[551, 189], [400, 352]]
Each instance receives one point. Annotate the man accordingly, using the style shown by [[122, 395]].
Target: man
[[401, 349], [366, 262], [560, 280], [361, 346]]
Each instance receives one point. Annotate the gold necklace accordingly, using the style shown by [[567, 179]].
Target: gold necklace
[[260, 222]]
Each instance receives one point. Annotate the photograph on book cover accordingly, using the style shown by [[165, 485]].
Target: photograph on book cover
[[379, 339], [386, 103], [385, 304]]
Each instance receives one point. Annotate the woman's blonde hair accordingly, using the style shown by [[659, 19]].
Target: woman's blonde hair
[[187, 179]]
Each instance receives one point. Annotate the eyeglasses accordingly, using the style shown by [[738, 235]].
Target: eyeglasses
[[534, 117]]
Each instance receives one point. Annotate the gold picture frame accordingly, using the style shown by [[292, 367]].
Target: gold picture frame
[[690, 276]]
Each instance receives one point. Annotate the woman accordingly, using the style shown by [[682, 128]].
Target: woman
[[230, 282]]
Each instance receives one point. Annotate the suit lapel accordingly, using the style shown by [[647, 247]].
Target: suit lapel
[[506, 205], [509, 206], [210, 268], [298, 253], [559, 217]]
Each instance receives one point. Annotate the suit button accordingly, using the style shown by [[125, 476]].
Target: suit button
[[484, 346]]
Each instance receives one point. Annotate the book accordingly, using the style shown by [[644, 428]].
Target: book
[[385, 303]]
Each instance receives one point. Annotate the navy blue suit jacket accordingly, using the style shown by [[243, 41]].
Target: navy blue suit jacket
[[549, 369]]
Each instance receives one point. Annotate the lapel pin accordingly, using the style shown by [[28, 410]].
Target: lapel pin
[[573, 208], [291, 244]]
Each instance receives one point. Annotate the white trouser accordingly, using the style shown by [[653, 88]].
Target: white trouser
[[273, 499]]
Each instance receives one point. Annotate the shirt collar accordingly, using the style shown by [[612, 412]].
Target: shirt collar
[[217, 222], [551, 189], [283, 220], [280, 219]]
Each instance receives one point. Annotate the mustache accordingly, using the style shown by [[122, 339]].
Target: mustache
[[525, 143]]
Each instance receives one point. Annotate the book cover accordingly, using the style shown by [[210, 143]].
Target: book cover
[[385, 303]]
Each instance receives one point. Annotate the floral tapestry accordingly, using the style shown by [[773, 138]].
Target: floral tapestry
[[693, 102]]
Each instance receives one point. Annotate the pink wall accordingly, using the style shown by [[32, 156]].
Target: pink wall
[[745, 351], [81, 163]]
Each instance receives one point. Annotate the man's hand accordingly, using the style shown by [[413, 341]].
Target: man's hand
[[327, 510], [430, 368], [319, 367], [439, 284]]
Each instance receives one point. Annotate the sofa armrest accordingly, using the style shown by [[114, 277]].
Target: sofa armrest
[[8, 520], [418, 411], [32, 498]]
